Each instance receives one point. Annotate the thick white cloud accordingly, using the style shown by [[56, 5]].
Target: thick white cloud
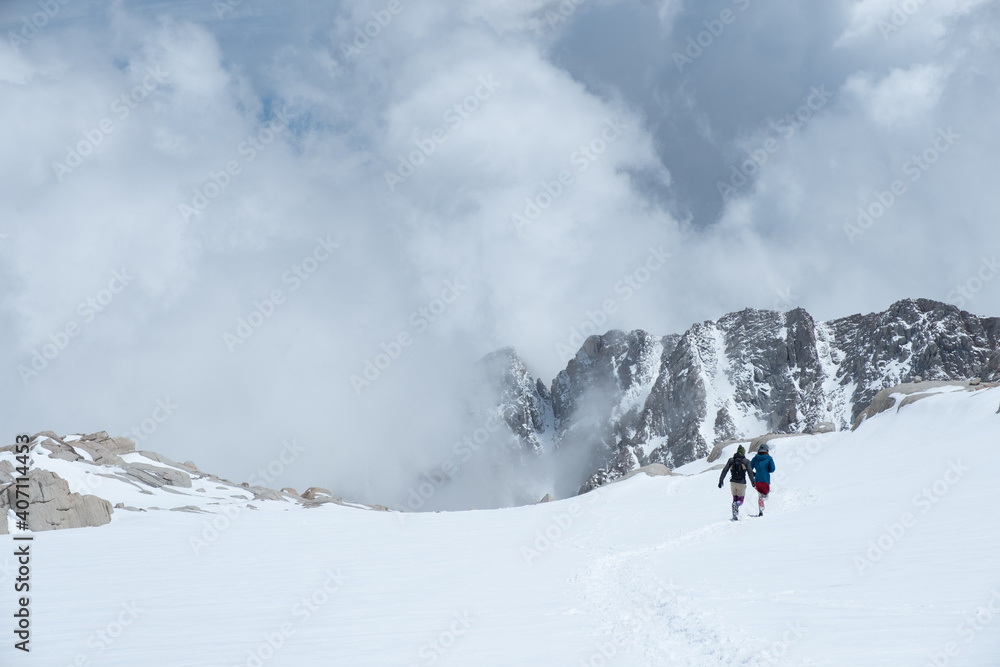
[[207, 133]]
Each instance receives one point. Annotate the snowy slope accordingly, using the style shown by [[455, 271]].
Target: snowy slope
[[648, 570]]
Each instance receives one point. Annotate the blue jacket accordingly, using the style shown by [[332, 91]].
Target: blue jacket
[[763, 466]]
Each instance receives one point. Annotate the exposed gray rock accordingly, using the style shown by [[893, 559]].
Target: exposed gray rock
[[547, 498], [60, 450], [160, 458], [6, 474], [264, 493], [100, 454], [885, 399], [53, 507], [314, 492], [652, 470], [630, 399], [188, 508], [765, 439], [156, 476]]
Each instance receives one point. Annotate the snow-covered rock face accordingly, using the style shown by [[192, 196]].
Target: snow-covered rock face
[[631, 399], [83, 481]]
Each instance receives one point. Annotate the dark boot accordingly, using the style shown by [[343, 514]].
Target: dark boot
[[736, 510]]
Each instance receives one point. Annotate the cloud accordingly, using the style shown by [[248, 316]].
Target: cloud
[[536, 168], [903, 97]]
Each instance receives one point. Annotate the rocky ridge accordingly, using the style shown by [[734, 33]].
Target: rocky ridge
[[81, 481], [631, 399]]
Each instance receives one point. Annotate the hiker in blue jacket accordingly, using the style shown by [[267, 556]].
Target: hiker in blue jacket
[[763, 466]]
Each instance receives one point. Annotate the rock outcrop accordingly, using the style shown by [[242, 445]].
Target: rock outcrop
[[630, 399], [52, 506]]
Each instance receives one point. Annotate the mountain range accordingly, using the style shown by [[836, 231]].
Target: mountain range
[[630, 399]]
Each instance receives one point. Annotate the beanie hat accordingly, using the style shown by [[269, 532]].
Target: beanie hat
[[741, 450], [762, 448]]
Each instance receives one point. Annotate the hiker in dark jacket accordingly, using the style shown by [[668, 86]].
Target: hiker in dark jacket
[[762, 465], [739, 468]]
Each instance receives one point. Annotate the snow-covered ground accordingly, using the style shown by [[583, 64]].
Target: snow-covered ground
[[878, 547]]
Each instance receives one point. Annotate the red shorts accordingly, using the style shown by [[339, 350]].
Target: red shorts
[[763, 488]]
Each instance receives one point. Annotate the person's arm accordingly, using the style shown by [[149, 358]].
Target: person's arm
[[724, 471], [750, 472], [770, 464]]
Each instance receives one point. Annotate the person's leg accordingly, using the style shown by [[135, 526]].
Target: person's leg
[[763, 488], [739, 492]]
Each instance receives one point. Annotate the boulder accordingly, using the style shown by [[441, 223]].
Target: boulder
[[6, 473], [913, 391], [160, 458], [119, 445], [547, 498], [53, 507], [824, 427], [264, 493], [156, 476], [50, 435], [652, 470], [763, 439], [314, 492], [60, 450], [101, 455], [100, 435], [188, 508], [290, 491], [717, 449]]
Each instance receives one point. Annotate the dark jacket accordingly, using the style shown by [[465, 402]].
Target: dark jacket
[[740, 466], [763, 466]]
